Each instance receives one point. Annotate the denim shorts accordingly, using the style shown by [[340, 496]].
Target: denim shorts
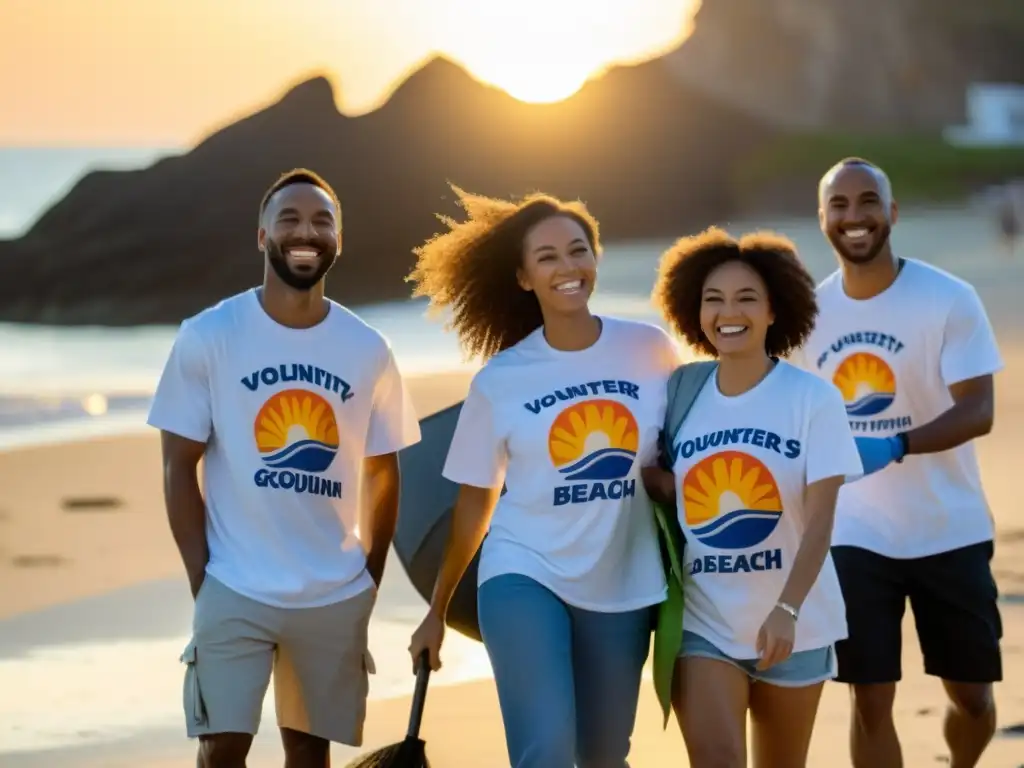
[[800, 669]]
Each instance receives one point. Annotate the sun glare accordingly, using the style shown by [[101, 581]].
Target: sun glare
[[544, 51], [537, 85], [536, 50]]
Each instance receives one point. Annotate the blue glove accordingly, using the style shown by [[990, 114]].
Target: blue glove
[[878, 452]]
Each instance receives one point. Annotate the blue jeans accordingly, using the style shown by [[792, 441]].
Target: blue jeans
[[568, 679]]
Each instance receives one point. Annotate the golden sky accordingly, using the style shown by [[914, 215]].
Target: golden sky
[[167, 72]]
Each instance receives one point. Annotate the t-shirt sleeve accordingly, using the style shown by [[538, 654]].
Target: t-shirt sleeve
[[830, 448], [669, 355], [478, 454], [393, 421], [181, 404], [969, 346]]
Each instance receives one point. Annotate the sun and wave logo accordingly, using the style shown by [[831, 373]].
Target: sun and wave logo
[[594, 440], [296, 429], [731, 501], [867, 384]]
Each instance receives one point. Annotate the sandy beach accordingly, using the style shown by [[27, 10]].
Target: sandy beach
[[94, 612]]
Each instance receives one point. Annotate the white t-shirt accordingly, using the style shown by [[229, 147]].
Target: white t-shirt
[[568, 433], [742, 466], [893, 357], [288, 416]]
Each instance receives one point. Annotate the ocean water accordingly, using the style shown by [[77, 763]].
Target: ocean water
[[58, 383], [63, 383]]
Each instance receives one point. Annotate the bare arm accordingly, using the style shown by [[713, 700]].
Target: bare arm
[[381, 485], [660, 485], [820, 505], [470, 519], [970, 416], [186, 509]]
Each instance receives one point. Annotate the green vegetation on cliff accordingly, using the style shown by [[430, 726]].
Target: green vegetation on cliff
[[984, 12], [922, 168]]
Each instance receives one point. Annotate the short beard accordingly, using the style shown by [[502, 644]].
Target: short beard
[[871, 255], [305, 283]]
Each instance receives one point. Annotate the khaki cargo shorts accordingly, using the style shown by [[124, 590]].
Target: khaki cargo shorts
[[318, 657]]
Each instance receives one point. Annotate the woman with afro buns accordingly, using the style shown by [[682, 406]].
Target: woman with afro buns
[[756, 468], [565, 411]]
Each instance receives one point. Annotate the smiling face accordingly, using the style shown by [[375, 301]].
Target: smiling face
[[559, 265], [300, 235], [857, 213], [735, 310]]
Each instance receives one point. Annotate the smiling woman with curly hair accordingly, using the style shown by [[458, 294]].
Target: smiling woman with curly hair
[[564, 412], [756, 469], [679, 291], [475, 268]]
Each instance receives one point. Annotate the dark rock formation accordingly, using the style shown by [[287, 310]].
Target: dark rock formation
[[648, 154]]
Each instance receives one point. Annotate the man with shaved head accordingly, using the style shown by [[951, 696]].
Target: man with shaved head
[[912, 351]]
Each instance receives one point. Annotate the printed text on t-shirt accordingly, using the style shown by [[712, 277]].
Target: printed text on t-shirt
[[585, 389], [592, 442], [867, 380], [296, 430], [730, 499]]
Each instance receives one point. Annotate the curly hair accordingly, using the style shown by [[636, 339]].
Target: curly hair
[[472, 268], [685, 268]]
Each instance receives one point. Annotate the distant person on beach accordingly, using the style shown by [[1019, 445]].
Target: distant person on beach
[[1010, 211], [911, 349], [757, 466], [297, 408], [564, 412]]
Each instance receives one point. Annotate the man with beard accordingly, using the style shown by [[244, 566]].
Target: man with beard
[[912, 351], [298, 410]]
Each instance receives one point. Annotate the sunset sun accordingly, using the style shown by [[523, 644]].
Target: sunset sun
[[543, 83], [544, 51]]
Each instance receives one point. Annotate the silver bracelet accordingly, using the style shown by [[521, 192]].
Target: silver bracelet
[[788, 609]]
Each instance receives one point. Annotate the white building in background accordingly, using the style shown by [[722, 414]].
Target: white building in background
[[995, 117]]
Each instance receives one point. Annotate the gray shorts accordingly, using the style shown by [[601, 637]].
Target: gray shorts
[[318, 657]]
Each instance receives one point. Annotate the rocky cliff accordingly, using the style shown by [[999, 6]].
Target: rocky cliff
[[155, 245], [871, 65]]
